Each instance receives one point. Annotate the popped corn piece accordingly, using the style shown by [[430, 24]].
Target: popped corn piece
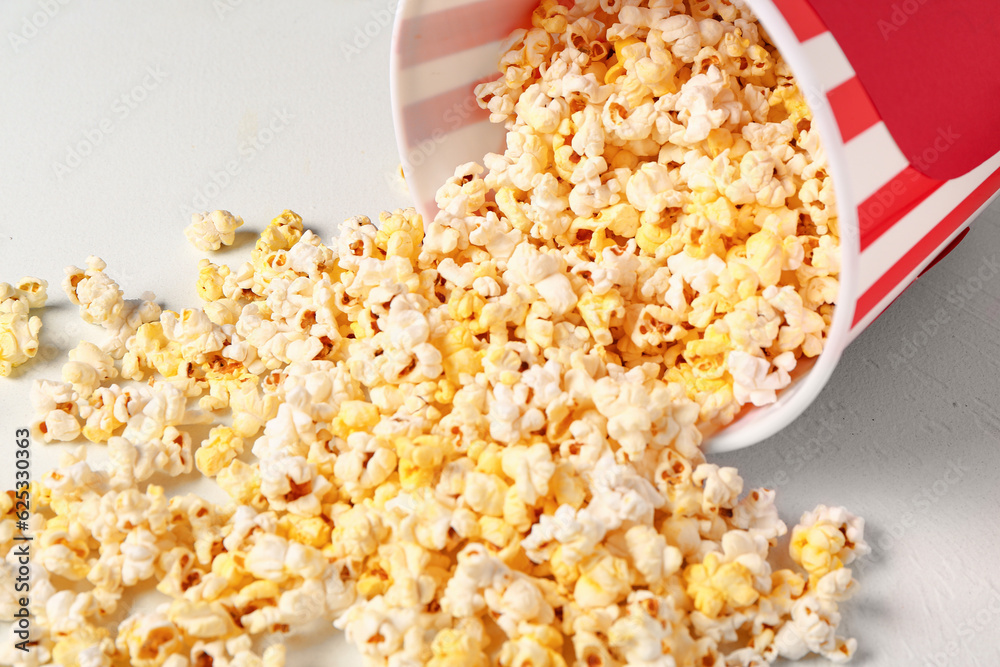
[[202, 620], [18, 331], [218, 450], [148, 638], [32, 290], [87, 646], [713, 585], [293, 484], [754, 381], [813, 628], [722, 486], [274, 656], [455, 648], [651, 556], [530, 468], [266, 558], [826, 539], [757, 514], [603, 580], [211, 231], [211, 279], [57, 426], [87, 368]]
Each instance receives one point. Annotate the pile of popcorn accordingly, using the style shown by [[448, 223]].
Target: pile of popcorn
[[473, 441]]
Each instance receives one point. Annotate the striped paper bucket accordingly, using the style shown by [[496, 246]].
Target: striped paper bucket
[[902, 92]]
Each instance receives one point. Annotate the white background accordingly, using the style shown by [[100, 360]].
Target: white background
[[908, 401]]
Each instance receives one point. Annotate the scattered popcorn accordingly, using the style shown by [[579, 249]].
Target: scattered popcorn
[[211, 231], [18, 330], [474, 439]]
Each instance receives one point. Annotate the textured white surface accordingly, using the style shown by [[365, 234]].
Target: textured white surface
[[907, 402]]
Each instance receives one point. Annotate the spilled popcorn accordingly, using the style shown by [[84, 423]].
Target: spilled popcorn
[[211, 231], [18, 329], [475, 441]]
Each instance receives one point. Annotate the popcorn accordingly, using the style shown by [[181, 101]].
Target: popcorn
[[826, 539], [18, 331], [603, 581], [530, 468], [148, 638], [813, 629], [722, 486], [713, 585], [485, 426], [211, 231], [88, 367], [266, 559], [215, 453], [519, 602], [57, 426], [32, 290], [201, 620], [753, 381]]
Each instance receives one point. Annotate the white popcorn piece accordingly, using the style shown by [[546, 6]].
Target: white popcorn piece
[[18, 331], [140, 551], [812, 629], [530, 468], [291, 483], [211, 231], [754, 381], [266, 559], [722, 486]]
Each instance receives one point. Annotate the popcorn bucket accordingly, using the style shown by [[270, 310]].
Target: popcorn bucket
[[902, 92]]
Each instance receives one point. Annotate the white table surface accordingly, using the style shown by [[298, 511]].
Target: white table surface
[[173, 94]]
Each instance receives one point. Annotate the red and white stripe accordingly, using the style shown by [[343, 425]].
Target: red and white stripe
[[442, 49], [905, 219]]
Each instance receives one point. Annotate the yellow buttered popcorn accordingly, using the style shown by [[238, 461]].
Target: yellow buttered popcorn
[[354, 416], [218, 450], [598, 313], [400, 234], [211, 278], [420, 459], [88, 641], [454, 648], [713, 585], [826, 540]]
